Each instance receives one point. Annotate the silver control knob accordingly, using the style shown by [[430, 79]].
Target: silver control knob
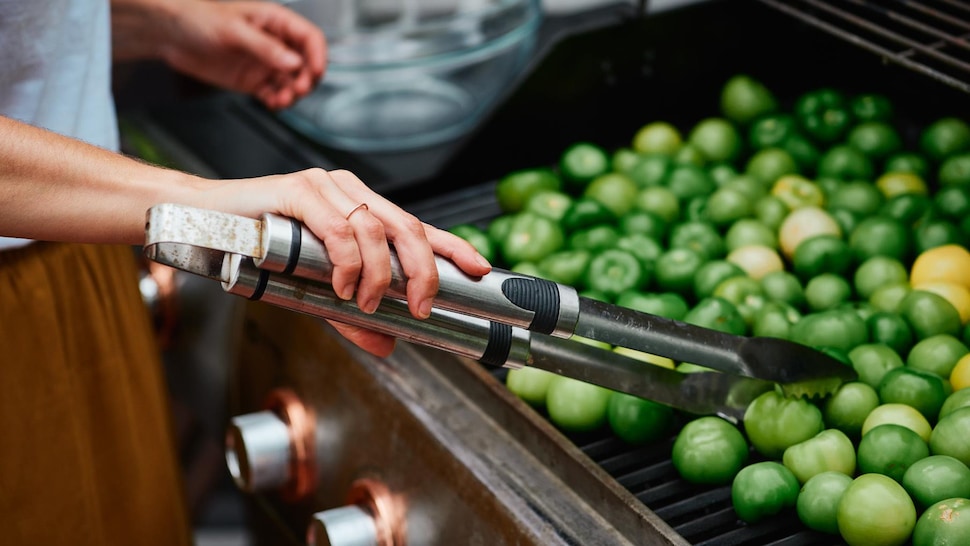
[[373, 516], [344, 526], [273, 449], [258, 451]]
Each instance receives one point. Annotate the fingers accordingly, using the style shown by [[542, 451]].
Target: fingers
[[358, 226], [407, 234], [458, 250], [291, 49], [416, 244], [378, 344]]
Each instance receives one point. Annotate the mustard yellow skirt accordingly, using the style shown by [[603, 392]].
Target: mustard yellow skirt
[[87, 452]]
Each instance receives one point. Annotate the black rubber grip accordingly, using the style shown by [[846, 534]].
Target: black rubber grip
[[296, 241], [261, 285], [537, 295], [499, 345]]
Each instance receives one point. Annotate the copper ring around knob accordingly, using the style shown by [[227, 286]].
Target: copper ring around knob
[[386, 509], [299, 422]]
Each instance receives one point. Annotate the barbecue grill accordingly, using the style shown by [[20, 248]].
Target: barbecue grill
[[427, 448]]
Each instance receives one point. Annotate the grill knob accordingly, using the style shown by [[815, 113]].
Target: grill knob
[[273, 449], [258, 451], [344, 526], [372, 517]]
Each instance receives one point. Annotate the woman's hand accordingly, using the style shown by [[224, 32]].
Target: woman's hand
[[356, 237], [60, 189], [256, 47]]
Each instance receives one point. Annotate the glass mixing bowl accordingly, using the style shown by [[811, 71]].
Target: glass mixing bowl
[[405, 74]]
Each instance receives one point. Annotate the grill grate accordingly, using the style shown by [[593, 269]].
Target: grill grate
[[703, 515], [931, 37]]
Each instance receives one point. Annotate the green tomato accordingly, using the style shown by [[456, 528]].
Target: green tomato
[[838, 329], [956, 400], [717, 139], [613, 271], [946, 522], [936, 478], [919, 389], [576, 406], [744, 99], [818, 501], [930, 314], [890, 449], [637, 420], [898, 414], [531, 237], [529, 384], [829, 450], [774, 423], [890, 329], [717, 314], [872, 361], [937, 354], [711, 274], [580, 163], [709, 450], [515, 189], [875, 511], [847, 409], [949, 436], [565, 266], [762, 490], [775, 319]]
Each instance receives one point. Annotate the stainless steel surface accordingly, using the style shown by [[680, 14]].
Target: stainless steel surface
[[931, 37], [258, 451], [344, 526], [460, 334], [468, 462]]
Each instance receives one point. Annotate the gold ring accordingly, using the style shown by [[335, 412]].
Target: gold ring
[[355, 209]]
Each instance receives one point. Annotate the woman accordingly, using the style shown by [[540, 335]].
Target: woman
[[86, 449]]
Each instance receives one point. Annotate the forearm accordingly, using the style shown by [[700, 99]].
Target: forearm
[[56, 188]]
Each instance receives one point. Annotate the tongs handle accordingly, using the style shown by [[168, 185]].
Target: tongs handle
[[534, 304], [488, 342], [499, 344]]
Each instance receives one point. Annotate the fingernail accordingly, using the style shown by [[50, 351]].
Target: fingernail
[[482, 261], [370, 306], [346, 292], [291, 59], [424, 310]]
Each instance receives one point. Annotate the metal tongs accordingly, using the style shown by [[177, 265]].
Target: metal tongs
[[500, 319]]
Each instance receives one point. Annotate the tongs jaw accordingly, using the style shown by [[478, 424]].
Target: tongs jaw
[[500, 319]]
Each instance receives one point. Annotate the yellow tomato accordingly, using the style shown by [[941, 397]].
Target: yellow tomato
[[960, 375], [803, 223], [895, 183], [946, 263], [954, 293], [756, 260]]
